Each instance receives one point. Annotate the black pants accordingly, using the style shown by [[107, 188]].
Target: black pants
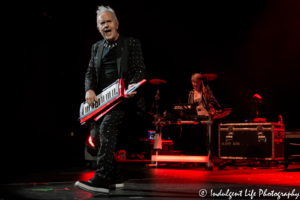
[[104, 135]]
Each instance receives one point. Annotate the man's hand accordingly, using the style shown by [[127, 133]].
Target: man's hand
[[90, 97], [130, 95]]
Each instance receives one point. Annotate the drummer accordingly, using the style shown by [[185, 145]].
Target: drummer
[[197, 144], [199, 96]]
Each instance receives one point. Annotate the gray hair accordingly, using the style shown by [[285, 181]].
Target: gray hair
[[103, 9]]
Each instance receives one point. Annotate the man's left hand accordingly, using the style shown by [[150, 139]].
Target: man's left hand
[[130, 95]]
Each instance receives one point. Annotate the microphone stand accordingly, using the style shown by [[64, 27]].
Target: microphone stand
[[209, 123], [158, 134]]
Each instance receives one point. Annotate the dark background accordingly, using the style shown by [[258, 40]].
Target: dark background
[[252, 46]]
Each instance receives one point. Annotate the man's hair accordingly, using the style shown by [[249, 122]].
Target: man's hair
[[103, 9]]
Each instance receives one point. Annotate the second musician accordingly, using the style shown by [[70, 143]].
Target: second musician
[[200, 99], [199, 96]]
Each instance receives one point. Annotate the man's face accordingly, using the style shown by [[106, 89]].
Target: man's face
[[108, 26]]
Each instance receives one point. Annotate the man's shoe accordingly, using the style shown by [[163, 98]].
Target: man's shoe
[[116, 183], [93, 186]]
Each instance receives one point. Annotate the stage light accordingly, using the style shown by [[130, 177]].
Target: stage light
[[91, 142], [162, 158]]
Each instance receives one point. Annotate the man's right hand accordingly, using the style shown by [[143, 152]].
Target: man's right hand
[[90, 97]]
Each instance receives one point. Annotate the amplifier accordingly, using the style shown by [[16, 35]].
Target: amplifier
[[253, 141]]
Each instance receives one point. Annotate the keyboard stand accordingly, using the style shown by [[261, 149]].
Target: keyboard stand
[[209, 123], [196, 159]]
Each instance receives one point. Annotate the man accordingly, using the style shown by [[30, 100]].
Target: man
[[112, 58]]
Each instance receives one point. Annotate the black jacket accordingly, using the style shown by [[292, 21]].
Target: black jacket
[[130, 63]]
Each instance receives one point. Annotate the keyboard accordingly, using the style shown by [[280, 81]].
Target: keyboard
[[107, 99]]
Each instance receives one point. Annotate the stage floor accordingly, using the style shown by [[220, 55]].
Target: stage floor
[[178, 181]]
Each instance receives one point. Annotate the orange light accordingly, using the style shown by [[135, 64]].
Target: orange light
[[91, 142], [200, 159]]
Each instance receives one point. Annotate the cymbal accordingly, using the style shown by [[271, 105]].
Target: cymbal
[[224, 113], [157, 81], [208, 77]]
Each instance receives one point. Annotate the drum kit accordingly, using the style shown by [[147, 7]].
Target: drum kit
[[160, 121]]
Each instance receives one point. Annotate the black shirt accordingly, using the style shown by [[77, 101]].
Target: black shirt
[[109, 69]]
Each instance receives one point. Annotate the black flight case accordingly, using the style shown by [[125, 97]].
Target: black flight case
[[251, 141]]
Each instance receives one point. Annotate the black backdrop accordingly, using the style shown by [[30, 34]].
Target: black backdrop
[[252, 46]]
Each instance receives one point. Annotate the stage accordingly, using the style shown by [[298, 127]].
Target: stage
[[247, 53], [173, 181]]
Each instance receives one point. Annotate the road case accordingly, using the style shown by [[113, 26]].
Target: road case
[[291, 146], [251, 141]]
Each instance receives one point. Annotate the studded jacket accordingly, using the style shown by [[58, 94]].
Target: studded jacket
[[130, 63]]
